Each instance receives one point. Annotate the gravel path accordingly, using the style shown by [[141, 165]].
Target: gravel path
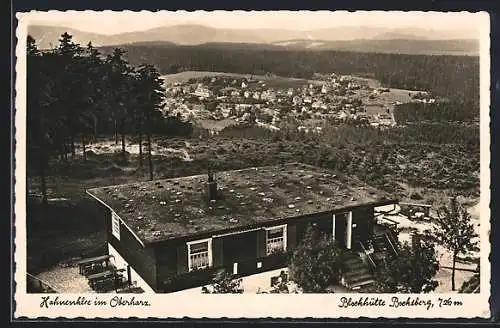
[[103, 147], [66, 280]]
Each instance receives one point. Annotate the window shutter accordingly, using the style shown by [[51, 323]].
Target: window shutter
[[291, 236], [217, 252], [182, 259], [261, 243]]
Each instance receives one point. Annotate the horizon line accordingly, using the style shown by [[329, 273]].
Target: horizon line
[[51, 24]]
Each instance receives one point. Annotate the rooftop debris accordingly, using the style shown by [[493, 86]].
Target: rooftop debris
[[282, 194]]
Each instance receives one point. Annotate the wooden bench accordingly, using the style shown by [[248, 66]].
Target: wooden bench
[[102, 280], [94, 264], [130, 290], [106, 285]]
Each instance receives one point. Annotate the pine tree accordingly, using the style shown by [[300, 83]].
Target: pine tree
[[119, 97], [70, 78], [93, 93], [455, 232], [152, 95], [36, 129]]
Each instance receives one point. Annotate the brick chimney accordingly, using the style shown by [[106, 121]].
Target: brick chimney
[[211, 186]]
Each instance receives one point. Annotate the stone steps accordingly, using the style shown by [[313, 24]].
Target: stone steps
[[356, 272]]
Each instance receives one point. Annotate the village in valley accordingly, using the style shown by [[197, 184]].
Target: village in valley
[[268, 100], [141, 179]]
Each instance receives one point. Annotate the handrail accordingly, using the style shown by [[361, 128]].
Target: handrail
[[390, 242], [392, 238], [416, 205], [368, 255], [43, 283], [390, 220]]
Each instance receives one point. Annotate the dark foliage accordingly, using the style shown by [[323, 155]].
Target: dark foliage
[[442, 156], [224, 283], [436, 112], [315, 264], [411, 271], [76, 94]]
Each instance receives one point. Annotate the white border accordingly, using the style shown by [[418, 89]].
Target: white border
[[246, 305]]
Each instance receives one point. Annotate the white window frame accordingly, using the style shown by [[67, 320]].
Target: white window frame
[[333, 226], [115, 225], [284, 228], [349, 227], [189, 243]]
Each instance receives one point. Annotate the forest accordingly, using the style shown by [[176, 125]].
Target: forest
[[455, 78], [427, 155], [436, 112], [76, 94]]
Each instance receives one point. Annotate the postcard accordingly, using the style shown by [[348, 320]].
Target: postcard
[[252, 164]]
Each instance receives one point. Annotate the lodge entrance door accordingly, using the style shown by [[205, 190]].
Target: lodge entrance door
[[342, 229]]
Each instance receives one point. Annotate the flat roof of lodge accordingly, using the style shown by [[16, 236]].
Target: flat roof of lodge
[[174, 208]]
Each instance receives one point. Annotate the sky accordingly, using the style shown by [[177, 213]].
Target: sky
[[109, 22]]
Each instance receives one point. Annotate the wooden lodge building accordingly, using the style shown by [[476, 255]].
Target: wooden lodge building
[[173, 234]]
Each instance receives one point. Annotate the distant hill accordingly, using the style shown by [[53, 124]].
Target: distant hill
[[403, 46], [48, 36], [399, 36], [179, 34]]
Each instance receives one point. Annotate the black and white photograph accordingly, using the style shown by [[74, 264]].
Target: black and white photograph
[[170, 157]]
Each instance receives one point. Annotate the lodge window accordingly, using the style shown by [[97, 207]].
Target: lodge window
[[115, 225], [199, 254], [275, 239]]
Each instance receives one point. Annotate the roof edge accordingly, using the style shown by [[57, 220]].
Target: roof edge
[[262, 224]]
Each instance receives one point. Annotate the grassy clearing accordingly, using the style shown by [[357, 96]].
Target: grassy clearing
[[215, 125], [271, 81], [384, 100], [183, 77]]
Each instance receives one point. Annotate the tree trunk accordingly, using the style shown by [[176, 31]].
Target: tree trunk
[[116, 132], [42, 158], [73, 151], [150, 160], [140, 148], [83, 147], [122, 131], [43, 184], [94, 126], [123, 143], [453, 272], [65, 151]]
